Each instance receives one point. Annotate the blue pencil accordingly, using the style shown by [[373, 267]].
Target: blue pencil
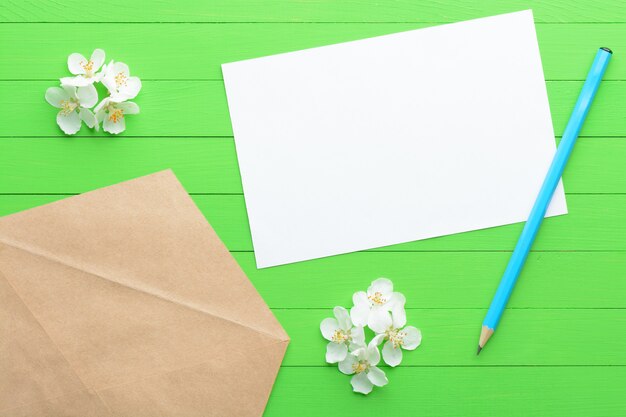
[[545, 196]]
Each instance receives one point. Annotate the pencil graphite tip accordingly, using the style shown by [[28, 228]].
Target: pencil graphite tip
[[485, 334]]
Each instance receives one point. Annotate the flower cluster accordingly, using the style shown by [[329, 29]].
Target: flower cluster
[[382, 310], [77, 95]]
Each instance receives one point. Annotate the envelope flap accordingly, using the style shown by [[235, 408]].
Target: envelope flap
[[146, 234]]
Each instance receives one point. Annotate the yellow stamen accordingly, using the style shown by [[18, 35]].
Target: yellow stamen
[[377, 298], [120, 79], [116, 115], [359, 367], [396, 337], [339, 336], [87, 66], [67, 107]]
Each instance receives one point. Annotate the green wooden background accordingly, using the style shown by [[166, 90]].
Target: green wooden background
[[562, 348]]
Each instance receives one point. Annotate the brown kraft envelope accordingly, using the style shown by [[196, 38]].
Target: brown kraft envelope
[[124, 302]]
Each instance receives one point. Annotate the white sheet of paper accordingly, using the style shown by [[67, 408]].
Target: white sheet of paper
[[392, 139]]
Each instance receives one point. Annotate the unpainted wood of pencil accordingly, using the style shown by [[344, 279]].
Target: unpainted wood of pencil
[[485, 334]]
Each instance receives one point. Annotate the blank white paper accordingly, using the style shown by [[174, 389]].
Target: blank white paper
[[392, 139]]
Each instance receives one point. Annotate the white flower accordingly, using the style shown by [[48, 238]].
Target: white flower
[[342, 335], [362, 362], [116, 78], [373, 308], [84, 69], [112, 114], [74, 103], [397, 339]]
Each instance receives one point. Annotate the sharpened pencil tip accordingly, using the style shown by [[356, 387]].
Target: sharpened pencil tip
[[485, 334]]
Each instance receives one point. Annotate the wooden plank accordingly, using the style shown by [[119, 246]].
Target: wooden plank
[[526, 337], [454, 392], [595, 223], [199, 108], [196, 51], [303, 11], [446, 279], [74, 165], [550, 279]]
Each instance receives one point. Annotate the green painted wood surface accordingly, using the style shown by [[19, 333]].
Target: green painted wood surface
[[595, 222], [210, 165], [219, 11], [199, 108], [525, 391], [196, 51], [562, 348], [450, 335]]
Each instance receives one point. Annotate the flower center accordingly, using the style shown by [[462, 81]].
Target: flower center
[[116, 115], [88, 67], [340, 336], [396, 337], [120, 79], [360, 366], [377, 298], [68, 106]]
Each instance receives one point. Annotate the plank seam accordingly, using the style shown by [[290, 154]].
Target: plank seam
[[218, 136], [475, 366], [284, 22], [461, 308]]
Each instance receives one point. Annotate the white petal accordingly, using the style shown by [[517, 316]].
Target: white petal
[[97, 124], [398, 313], [88, 96], [360, 354], [377, 377], [343, 318], [397, 299], [360, 297], [97, 57], [328, 328], [70, 123], [412, 339], [55, 95], [89, 118], [129, 107], [379, 320], [345, 366], [70, 90], [381, 285], [360, 383], [109, 82], [104, 69], [358, 337], [117, 97], [378, 339], [108, 68], [74, 62], [372, 354], [131, 89], [118, 67], [102, 104], [359, 314], [78, 81], [98, 77], [100, 115], [336, 352], [114, 127], [392, 356]]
